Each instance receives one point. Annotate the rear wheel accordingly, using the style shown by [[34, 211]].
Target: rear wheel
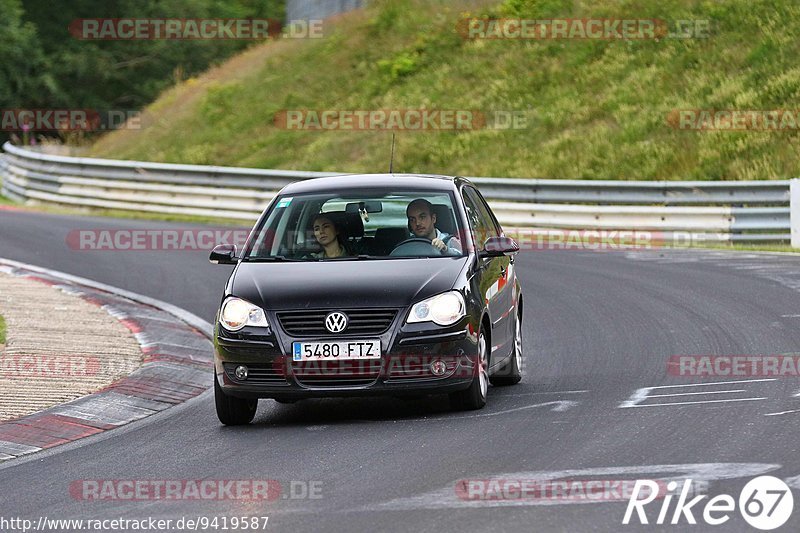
[[511, 373], [475, 396], [233, 411]]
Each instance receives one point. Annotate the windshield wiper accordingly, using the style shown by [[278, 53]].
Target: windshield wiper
[[270, 258], [347, 258]]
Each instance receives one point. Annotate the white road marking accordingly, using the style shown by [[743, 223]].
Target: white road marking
[[541, 393], [713, 383], [694, 403], [559, 406], [695, 393], [448, 496], [642, 394], [783, 413]]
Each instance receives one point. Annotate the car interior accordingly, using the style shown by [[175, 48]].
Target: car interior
[[371, 227], [384, 239]]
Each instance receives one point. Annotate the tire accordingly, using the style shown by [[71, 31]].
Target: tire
[[233, 411], [511, 373], [475, 396]]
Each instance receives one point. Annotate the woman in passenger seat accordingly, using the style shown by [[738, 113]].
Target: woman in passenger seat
[[329, 237]]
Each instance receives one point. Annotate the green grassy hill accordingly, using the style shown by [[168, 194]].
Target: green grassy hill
[[597, 109]]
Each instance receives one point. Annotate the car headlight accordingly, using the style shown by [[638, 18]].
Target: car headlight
[[444, 309], [237, 313]]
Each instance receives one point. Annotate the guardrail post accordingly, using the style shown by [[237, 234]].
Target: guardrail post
[[794, 211]]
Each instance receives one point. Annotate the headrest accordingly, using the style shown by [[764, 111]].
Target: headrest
[[350, 224], [445, 221]]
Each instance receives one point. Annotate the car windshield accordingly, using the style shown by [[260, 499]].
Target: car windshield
[[358, 225]]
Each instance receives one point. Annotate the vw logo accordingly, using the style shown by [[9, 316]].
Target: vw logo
[[336, 322]]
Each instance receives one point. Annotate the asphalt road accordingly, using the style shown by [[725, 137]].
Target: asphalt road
[[599, 328]]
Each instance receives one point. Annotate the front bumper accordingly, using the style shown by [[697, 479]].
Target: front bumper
[[403, 369]]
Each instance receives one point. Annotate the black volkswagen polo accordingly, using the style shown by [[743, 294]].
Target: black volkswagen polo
[[365, 285]]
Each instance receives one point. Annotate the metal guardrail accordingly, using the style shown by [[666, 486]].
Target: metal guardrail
[[319, 9], [718, 210]]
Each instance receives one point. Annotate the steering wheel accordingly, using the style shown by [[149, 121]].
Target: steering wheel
[[415, 246]]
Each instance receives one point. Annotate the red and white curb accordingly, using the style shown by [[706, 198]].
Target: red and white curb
[[178, 359]]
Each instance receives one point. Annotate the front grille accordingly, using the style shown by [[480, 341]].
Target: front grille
[[336, 373], [336, 382], [272, 373], [360, 322]]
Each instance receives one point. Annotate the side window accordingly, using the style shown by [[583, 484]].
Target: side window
[[491, 220], [480, 220]]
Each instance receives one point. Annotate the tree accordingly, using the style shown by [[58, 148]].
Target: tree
[[102, 75], [24, 76]]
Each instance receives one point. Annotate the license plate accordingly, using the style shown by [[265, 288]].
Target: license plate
[[336, 350]]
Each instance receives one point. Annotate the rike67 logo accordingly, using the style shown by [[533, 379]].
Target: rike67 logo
[[765, 503]]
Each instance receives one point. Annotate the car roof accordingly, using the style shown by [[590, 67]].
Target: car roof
[[433, 182]]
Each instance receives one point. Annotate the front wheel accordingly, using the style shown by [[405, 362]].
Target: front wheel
[[475, 396], [233, 411], [511, 373]]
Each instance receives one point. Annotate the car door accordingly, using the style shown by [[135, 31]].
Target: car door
[[508, 282], [494, 275]]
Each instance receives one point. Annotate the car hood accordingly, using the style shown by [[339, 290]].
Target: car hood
[[372, 283]]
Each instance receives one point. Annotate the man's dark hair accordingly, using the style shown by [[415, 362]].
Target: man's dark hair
[[421, 201]]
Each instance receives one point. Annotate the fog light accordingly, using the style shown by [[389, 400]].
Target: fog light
[[438, 368], [241, 372]]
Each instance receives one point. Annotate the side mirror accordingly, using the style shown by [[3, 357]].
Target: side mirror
[[223, 254], [498, 246]]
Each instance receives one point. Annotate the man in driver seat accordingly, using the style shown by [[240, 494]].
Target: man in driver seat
[[422, 223]]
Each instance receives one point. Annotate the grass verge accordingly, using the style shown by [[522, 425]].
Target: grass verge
[[781, 248], [596, 109]]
